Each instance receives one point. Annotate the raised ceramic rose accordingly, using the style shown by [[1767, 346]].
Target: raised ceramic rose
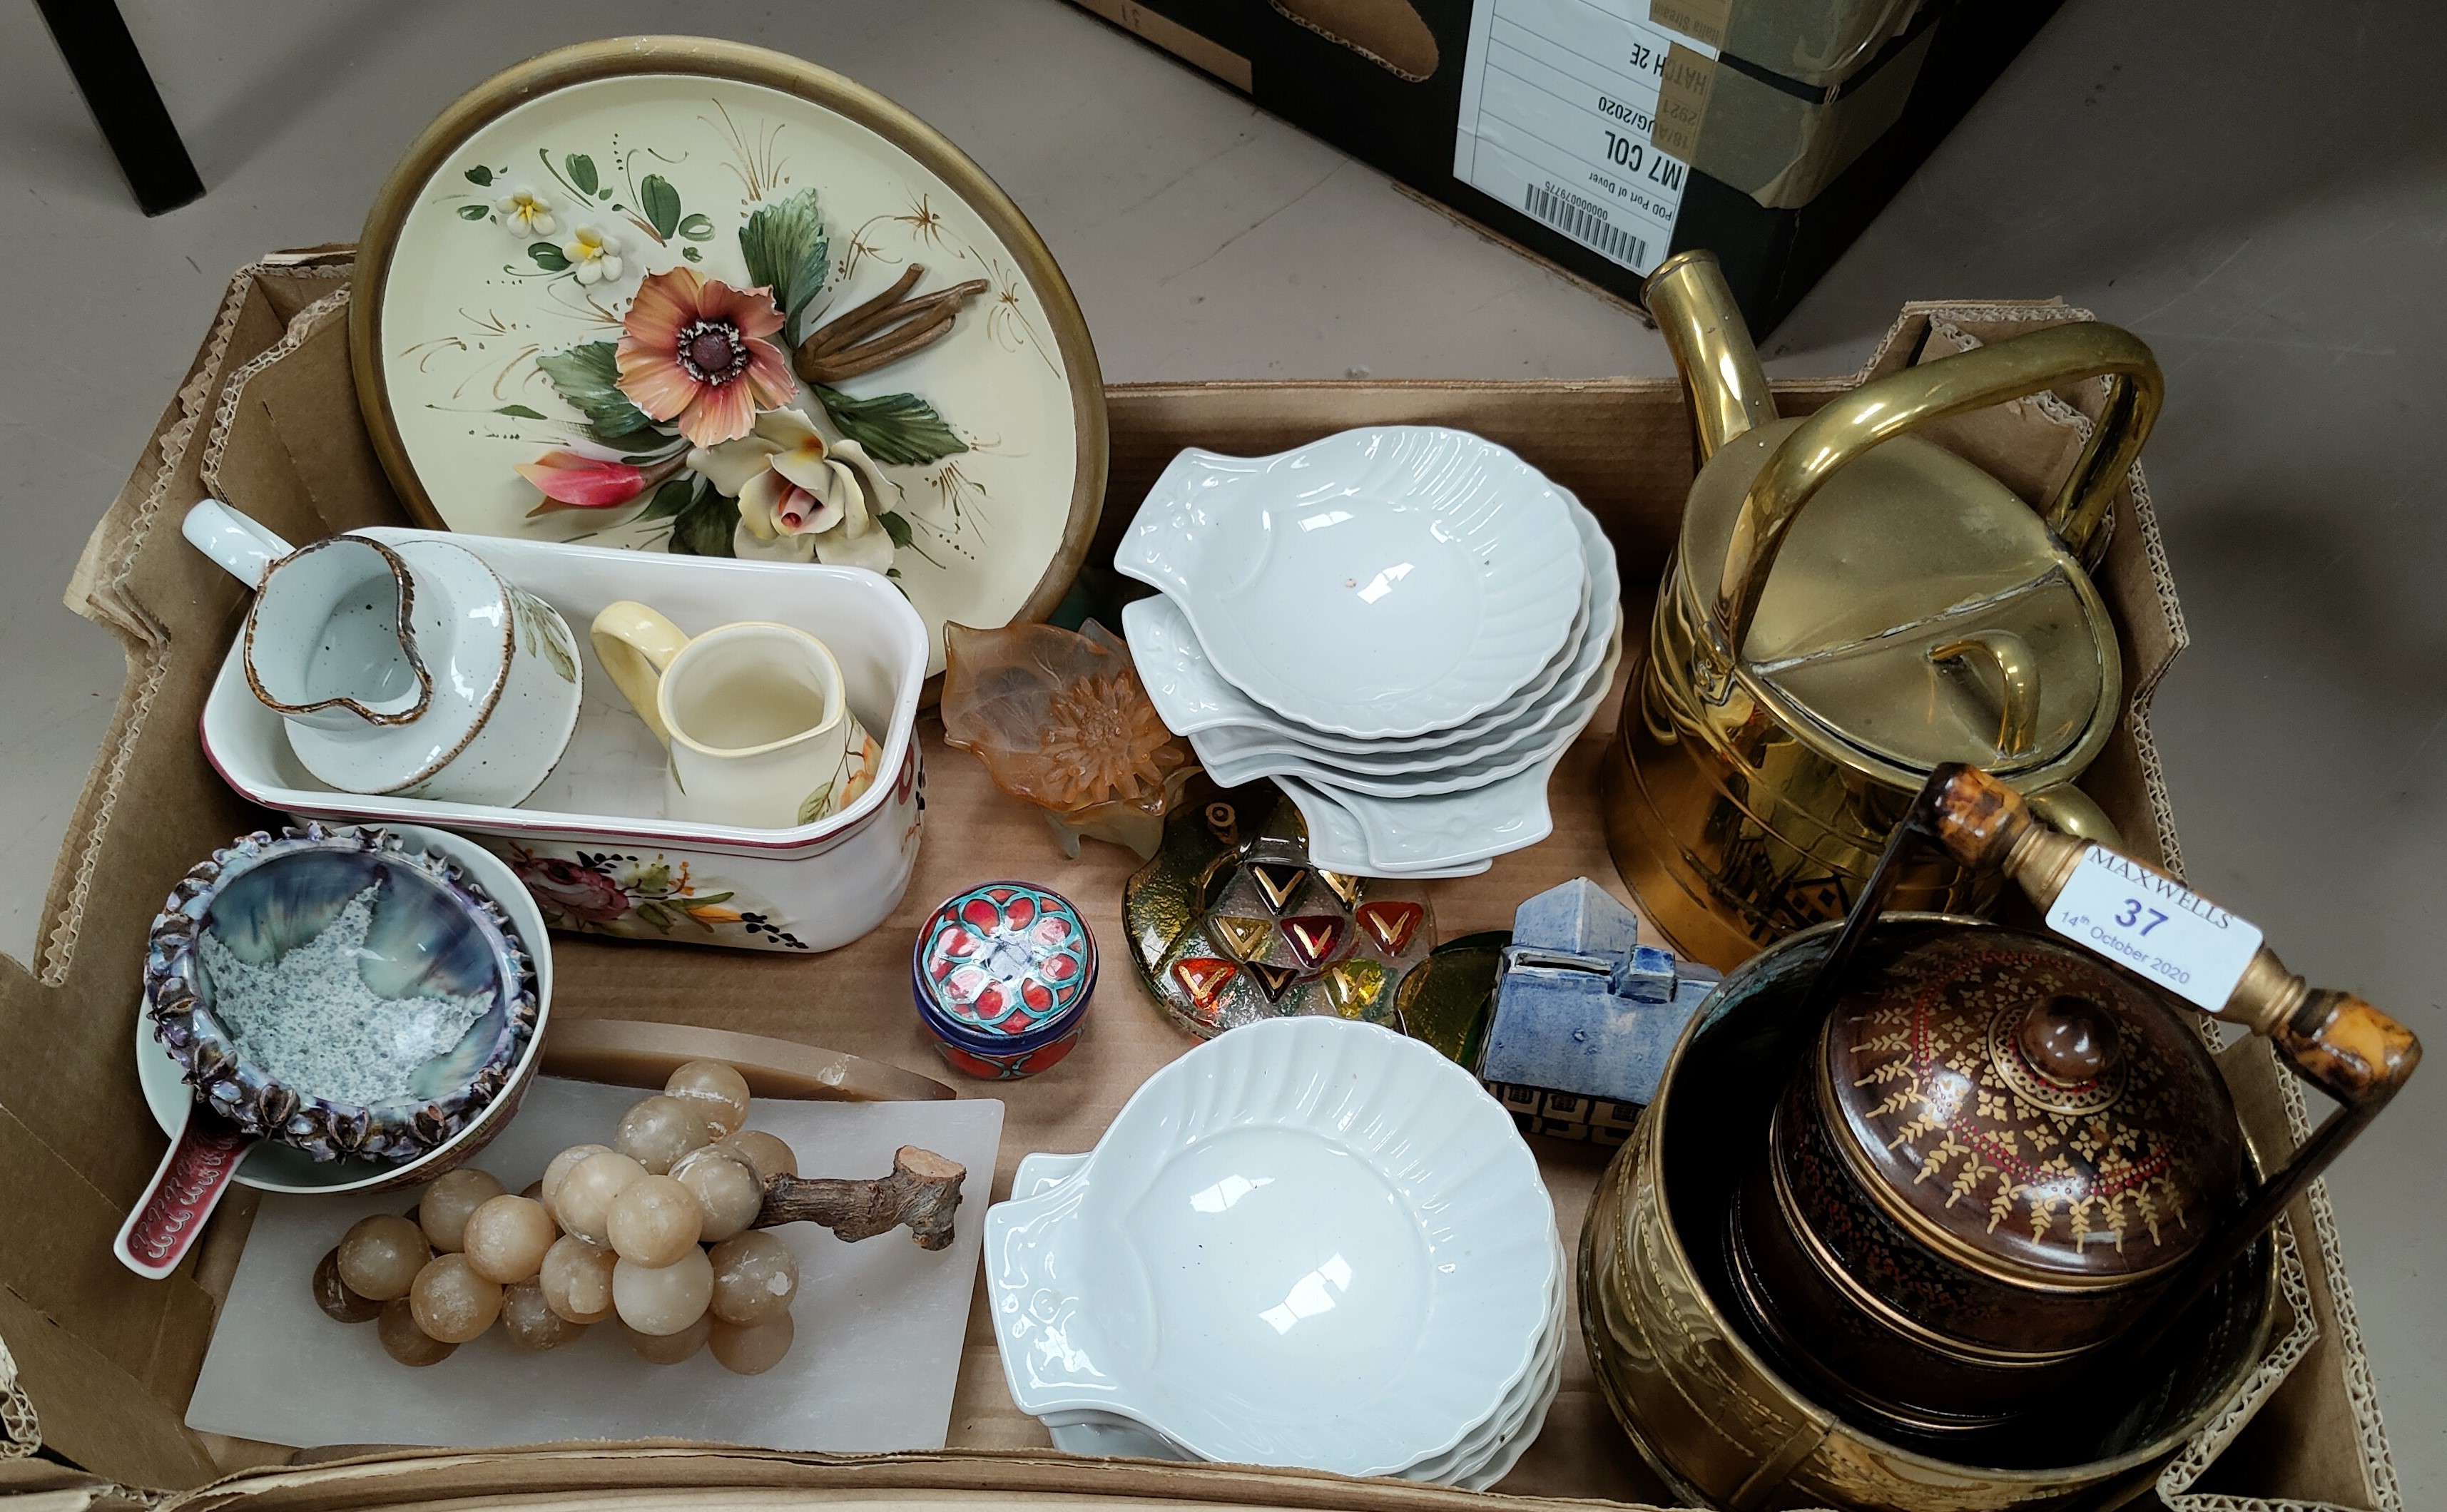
[[565, 887], [801, 497]]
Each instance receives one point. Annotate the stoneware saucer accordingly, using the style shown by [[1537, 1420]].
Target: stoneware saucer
[[1379, 583]]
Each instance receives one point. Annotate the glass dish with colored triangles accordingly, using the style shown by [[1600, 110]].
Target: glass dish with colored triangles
[[1231, 923]]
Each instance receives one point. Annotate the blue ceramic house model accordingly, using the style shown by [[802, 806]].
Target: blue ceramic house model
[[1584, 1015]]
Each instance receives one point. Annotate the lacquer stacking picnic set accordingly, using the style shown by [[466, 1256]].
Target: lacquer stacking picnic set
[[735, 601]]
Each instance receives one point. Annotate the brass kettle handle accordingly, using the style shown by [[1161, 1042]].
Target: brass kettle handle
[[2017, 674], [1853, 423]]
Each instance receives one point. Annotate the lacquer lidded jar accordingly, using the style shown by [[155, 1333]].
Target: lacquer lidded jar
[[1002, 975]]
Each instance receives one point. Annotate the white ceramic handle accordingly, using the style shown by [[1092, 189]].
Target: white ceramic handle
[[1050, 1355], [241, 546], [1043, 1171]]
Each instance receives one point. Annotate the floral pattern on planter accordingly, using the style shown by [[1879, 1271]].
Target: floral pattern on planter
[[643, 898]]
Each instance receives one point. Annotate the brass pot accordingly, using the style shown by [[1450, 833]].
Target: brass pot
[[1724, 1427], [1783, 1295], [1939, 1265], [1808, 667]]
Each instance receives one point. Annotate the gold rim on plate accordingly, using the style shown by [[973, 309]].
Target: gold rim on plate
[[734, 62]]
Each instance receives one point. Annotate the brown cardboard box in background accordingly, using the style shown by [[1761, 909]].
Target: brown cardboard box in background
[[1813, 117], [103, 1363]]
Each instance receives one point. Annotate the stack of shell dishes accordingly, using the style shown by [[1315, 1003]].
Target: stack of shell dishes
[[1311, 1243], [1405, 627]]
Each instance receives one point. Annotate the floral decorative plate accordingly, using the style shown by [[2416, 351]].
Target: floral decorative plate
[[679, 295]]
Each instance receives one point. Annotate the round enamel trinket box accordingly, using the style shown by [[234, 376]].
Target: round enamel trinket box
[[1002, 975]]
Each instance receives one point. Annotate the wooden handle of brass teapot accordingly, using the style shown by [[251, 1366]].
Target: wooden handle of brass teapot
[[1878, 411], [2334, 1040]]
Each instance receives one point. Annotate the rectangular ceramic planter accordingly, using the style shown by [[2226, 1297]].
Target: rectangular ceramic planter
[[591, 843]]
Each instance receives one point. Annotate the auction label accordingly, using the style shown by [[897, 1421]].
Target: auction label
[[1559, 117], [2156, 926]]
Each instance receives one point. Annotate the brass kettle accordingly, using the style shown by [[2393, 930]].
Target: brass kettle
[[1850, 606]]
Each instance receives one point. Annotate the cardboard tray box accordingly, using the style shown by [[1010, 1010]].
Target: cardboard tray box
[[95, 1366], [1811, 118]]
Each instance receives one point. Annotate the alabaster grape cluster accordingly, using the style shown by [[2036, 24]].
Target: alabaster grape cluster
[[651, 1231]]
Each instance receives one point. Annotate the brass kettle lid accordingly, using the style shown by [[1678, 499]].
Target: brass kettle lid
[[2027, 1110], [1918, 609]]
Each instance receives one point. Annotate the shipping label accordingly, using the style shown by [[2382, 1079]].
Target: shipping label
[[2154, 925], [1560, 106]]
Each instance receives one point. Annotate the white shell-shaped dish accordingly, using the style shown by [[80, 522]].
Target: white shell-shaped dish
[[1307, 1242], [1194, 699], [1508, 1451], [1338, 842], [1544, 731], [1486, 1457], [1442, 835], [1482, 1460], [1380, 583]]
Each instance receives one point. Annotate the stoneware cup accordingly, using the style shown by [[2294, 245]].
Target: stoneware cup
[[405, 667], [753, 715]]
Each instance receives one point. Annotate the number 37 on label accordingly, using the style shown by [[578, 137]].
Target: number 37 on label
[[2155, 926]]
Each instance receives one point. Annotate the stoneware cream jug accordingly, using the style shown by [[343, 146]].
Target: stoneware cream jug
[[406, 667], [753, 713]]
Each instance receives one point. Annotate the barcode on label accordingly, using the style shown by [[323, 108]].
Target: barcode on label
[[1585, 223]]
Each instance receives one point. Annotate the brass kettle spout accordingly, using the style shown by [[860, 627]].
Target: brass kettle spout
[[1694, 312]]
